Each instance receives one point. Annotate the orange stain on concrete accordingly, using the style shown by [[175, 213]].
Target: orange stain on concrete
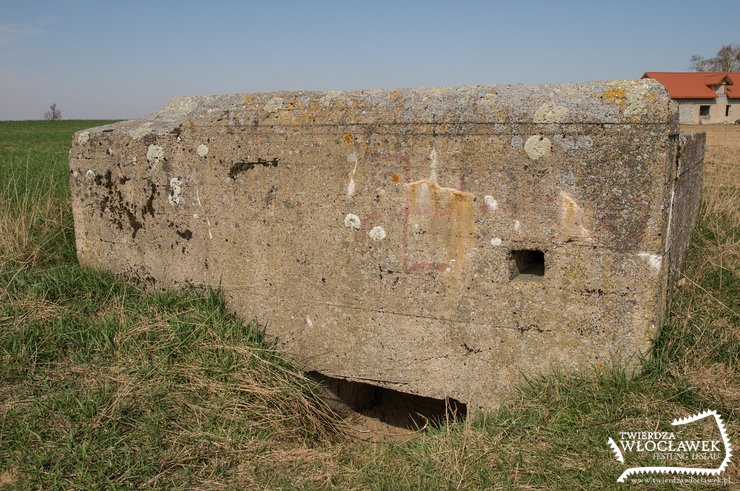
[[440, 224]]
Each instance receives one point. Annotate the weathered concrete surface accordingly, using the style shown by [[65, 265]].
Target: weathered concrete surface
[[686, 196], [376, 233]]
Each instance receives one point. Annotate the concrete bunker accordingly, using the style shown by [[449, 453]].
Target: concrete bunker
[[434, 242]]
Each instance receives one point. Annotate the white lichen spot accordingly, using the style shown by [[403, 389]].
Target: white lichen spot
[[184, 105], [496, 241], [635, 101], [549, 113], [202, 150], [329, 97], [274, 104], [109, 151], [90, 175], [491, 203], [377, 233], [537, 146], [83, 137], [352, 221], [154, 154], [517, 226], [351, 158], [309, 322], [490, 99], [351, 187], [653, 260], [175, 196], [517, 142]]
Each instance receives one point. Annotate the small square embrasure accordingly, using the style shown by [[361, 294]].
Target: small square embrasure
[[528, 263]]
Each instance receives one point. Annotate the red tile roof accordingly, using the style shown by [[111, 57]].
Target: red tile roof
[[697, 85]]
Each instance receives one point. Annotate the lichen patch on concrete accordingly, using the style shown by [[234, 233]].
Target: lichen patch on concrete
[[175, 195], [490, 202], [352, 221], [537, 146], [274, 104], [550, 113], [83, 137], [154, 153], [377, 233]]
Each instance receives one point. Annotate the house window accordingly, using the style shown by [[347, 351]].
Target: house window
[[704, 110], [728, 110]]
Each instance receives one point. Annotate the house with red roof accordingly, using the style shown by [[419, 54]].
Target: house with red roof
[[703, 97]]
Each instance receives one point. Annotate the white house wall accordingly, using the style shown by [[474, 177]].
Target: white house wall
[[688, 110]]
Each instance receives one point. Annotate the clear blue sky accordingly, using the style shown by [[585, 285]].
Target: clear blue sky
[[125, 58]]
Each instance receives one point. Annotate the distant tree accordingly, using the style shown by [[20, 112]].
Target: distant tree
[[727, 60], [53, 113]]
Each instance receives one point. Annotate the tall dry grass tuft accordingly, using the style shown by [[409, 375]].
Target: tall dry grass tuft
[[35, 221]]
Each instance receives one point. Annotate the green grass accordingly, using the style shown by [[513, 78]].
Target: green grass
[[103, 385], [35, 217]]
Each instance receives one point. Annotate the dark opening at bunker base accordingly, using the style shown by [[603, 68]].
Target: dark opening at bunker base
[[379, 413]]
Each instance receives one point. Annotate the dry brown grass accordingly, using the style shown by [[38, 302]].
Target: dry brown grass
[[31, 223], [722, 153]]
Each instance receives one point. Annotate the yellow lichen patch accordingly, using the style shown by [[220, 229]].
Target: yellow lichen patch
[[393, 95], [348, 138], [615, 94], [395, 177], [248, 98], [313, 108]]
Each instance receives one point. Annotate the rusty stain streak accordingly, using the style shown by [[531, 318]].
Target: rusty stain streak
[[446, 219]]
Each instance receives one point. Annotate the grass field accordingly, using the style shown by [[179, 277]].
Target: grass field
[[105, 386]]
